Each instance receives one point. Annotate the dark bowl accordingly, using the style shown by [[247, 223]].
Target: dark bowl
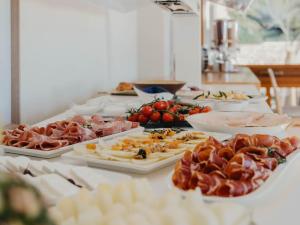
[[171, 86]]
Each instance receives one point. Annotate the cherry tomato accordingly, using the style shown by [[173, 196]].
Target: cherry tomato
[[168, 117], [171, 102], [173, 110], [177, 107], [143, 119], [181, 117], [147, 110], [206, 109], [155, 117], [133, 117], [161, 105], [195, 110], [198, 109]]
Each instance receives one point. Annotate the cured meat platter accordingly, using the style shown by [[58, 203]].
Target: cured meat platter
[[57, 152], [246, 169], [59, 137]]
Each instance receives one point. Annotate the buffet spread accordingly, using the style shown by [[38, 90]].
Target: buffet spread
[[212, 155]]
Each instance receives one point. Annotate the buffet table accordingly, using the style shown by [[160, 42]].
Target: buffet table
[[279, 208]]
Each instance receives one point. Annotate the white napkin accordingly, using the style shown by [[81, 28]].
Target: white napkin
[[87, 177]]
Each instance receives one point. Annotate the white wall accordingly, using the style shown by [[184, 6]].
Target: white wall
[[122, 31], [67, 56], [153, 43], [71, 49], [187, 49], [5, 104]]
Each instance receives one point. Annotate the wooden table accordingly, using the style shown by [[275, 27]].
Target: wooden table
[[287, 76], [244, 76]]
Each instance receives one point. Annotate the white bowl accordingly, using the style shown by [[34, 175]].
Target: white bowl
[[231, 106]]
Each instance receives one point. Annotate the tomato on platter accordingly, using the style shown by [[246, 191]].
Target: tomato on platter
[[143, 119], [161, 105], [173, 110], [178, 107], [193, 111], [147, 110], [168, 117], [171, 102], [133, 117], [155, 117], [181, 117], [206, 109]]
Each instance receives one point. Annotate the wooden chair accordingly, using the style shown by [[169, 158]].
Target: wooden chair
[[291, 111], [278, 100]]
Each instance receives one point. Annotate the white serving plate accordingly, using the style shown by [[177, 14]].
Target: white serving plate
[[225, 105], [220, 105], [197, 123], [130, 167], [60, 151], [265, 192], [193, 94]]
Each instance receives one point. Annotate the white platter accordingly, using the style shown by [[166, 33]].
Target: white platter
[[223, 104], [57, 152], [193, 94], [267, 191], [130, 167], [220, 105], [198, 122]]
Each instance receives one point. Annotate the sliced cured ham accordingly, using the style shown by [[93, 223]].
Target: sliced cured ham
[[235, 168], [62, 133]]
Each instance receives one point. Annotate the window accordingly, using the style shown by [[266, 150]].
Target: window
[[269, 31]]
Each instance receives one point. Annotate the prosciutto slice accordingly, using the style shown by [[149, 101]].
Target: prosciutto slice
[[232, 169], [63, 133]]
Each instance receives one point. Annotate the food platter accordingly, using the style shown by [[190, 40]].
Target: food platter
[[259, 164], [165, 114], [221, 96], [240, 122], [123, 166], [58, 137], [265, 192], [222, 101], [124, 89], [57, 152], [134, 166]]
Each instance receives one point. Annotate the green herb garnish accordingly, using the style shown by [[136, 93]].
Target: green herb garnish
[[275, 154], [198, 96], [142, 154]]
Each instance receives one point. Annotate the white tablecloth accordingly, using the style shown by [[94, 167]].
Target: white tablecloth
[[282, 208]]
